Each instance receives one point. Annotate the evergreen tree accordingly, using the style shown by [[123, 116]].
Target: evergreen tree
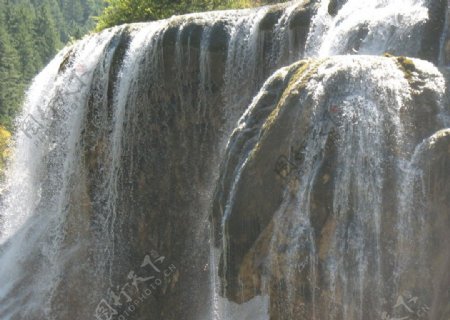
[[20, 24], [31, 32], [46, 36], [11, 85]]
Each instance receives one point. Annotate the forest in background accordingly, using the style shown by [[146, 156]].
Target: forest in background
[[31, 33]]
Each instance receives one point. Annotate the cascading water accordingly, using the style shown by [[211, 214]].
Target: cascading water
[[41, 180], [368, 27], [338, 154], [133, 194]]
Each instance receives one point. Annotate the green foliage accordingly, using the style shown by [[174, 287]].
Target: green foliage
[[49, 42], [125, 11], [31, 32], [10, 75], [5, 137]]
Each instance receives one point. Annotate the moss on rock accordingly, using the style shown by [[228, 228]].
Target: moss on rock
[[407, 65], [301, 74]]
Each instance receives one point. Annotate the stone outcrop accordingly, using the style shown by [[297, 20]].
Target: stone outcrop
[[285, 202]]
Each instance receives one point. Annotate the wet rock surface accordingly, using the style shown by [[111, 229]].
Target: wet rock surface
[[291, 192], [274, 244]]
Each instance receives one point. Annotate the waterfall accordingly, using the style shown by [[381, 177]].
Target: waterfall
[[444, 38], [368, 27], [41, 180], [197, 168], [340, 154]]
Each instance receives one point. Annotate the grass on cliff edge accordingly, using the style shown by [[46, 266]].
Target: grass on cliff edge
[[127, 11]]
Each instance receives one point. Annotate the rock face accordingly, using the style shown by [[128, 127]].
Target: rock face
[[445, 40], [329, 192], [152, 179]]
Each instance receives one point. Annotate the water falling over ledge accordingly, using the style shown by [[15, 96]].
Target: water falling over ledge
[[255, 191]]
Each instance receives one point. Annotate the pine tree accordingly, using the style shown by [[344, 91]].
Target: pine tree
[[11, 85], [20, 24], [31, 32], [45, 34]]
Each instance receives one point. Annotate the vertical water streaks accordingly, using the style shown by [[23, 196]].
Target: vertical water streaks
[[443, 59], [347, 128], [243, 56], [122, 107], [285, 48], [368, 27], [53, 155], [413, 220], [355, 115], [370, 108], [23, 172]]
